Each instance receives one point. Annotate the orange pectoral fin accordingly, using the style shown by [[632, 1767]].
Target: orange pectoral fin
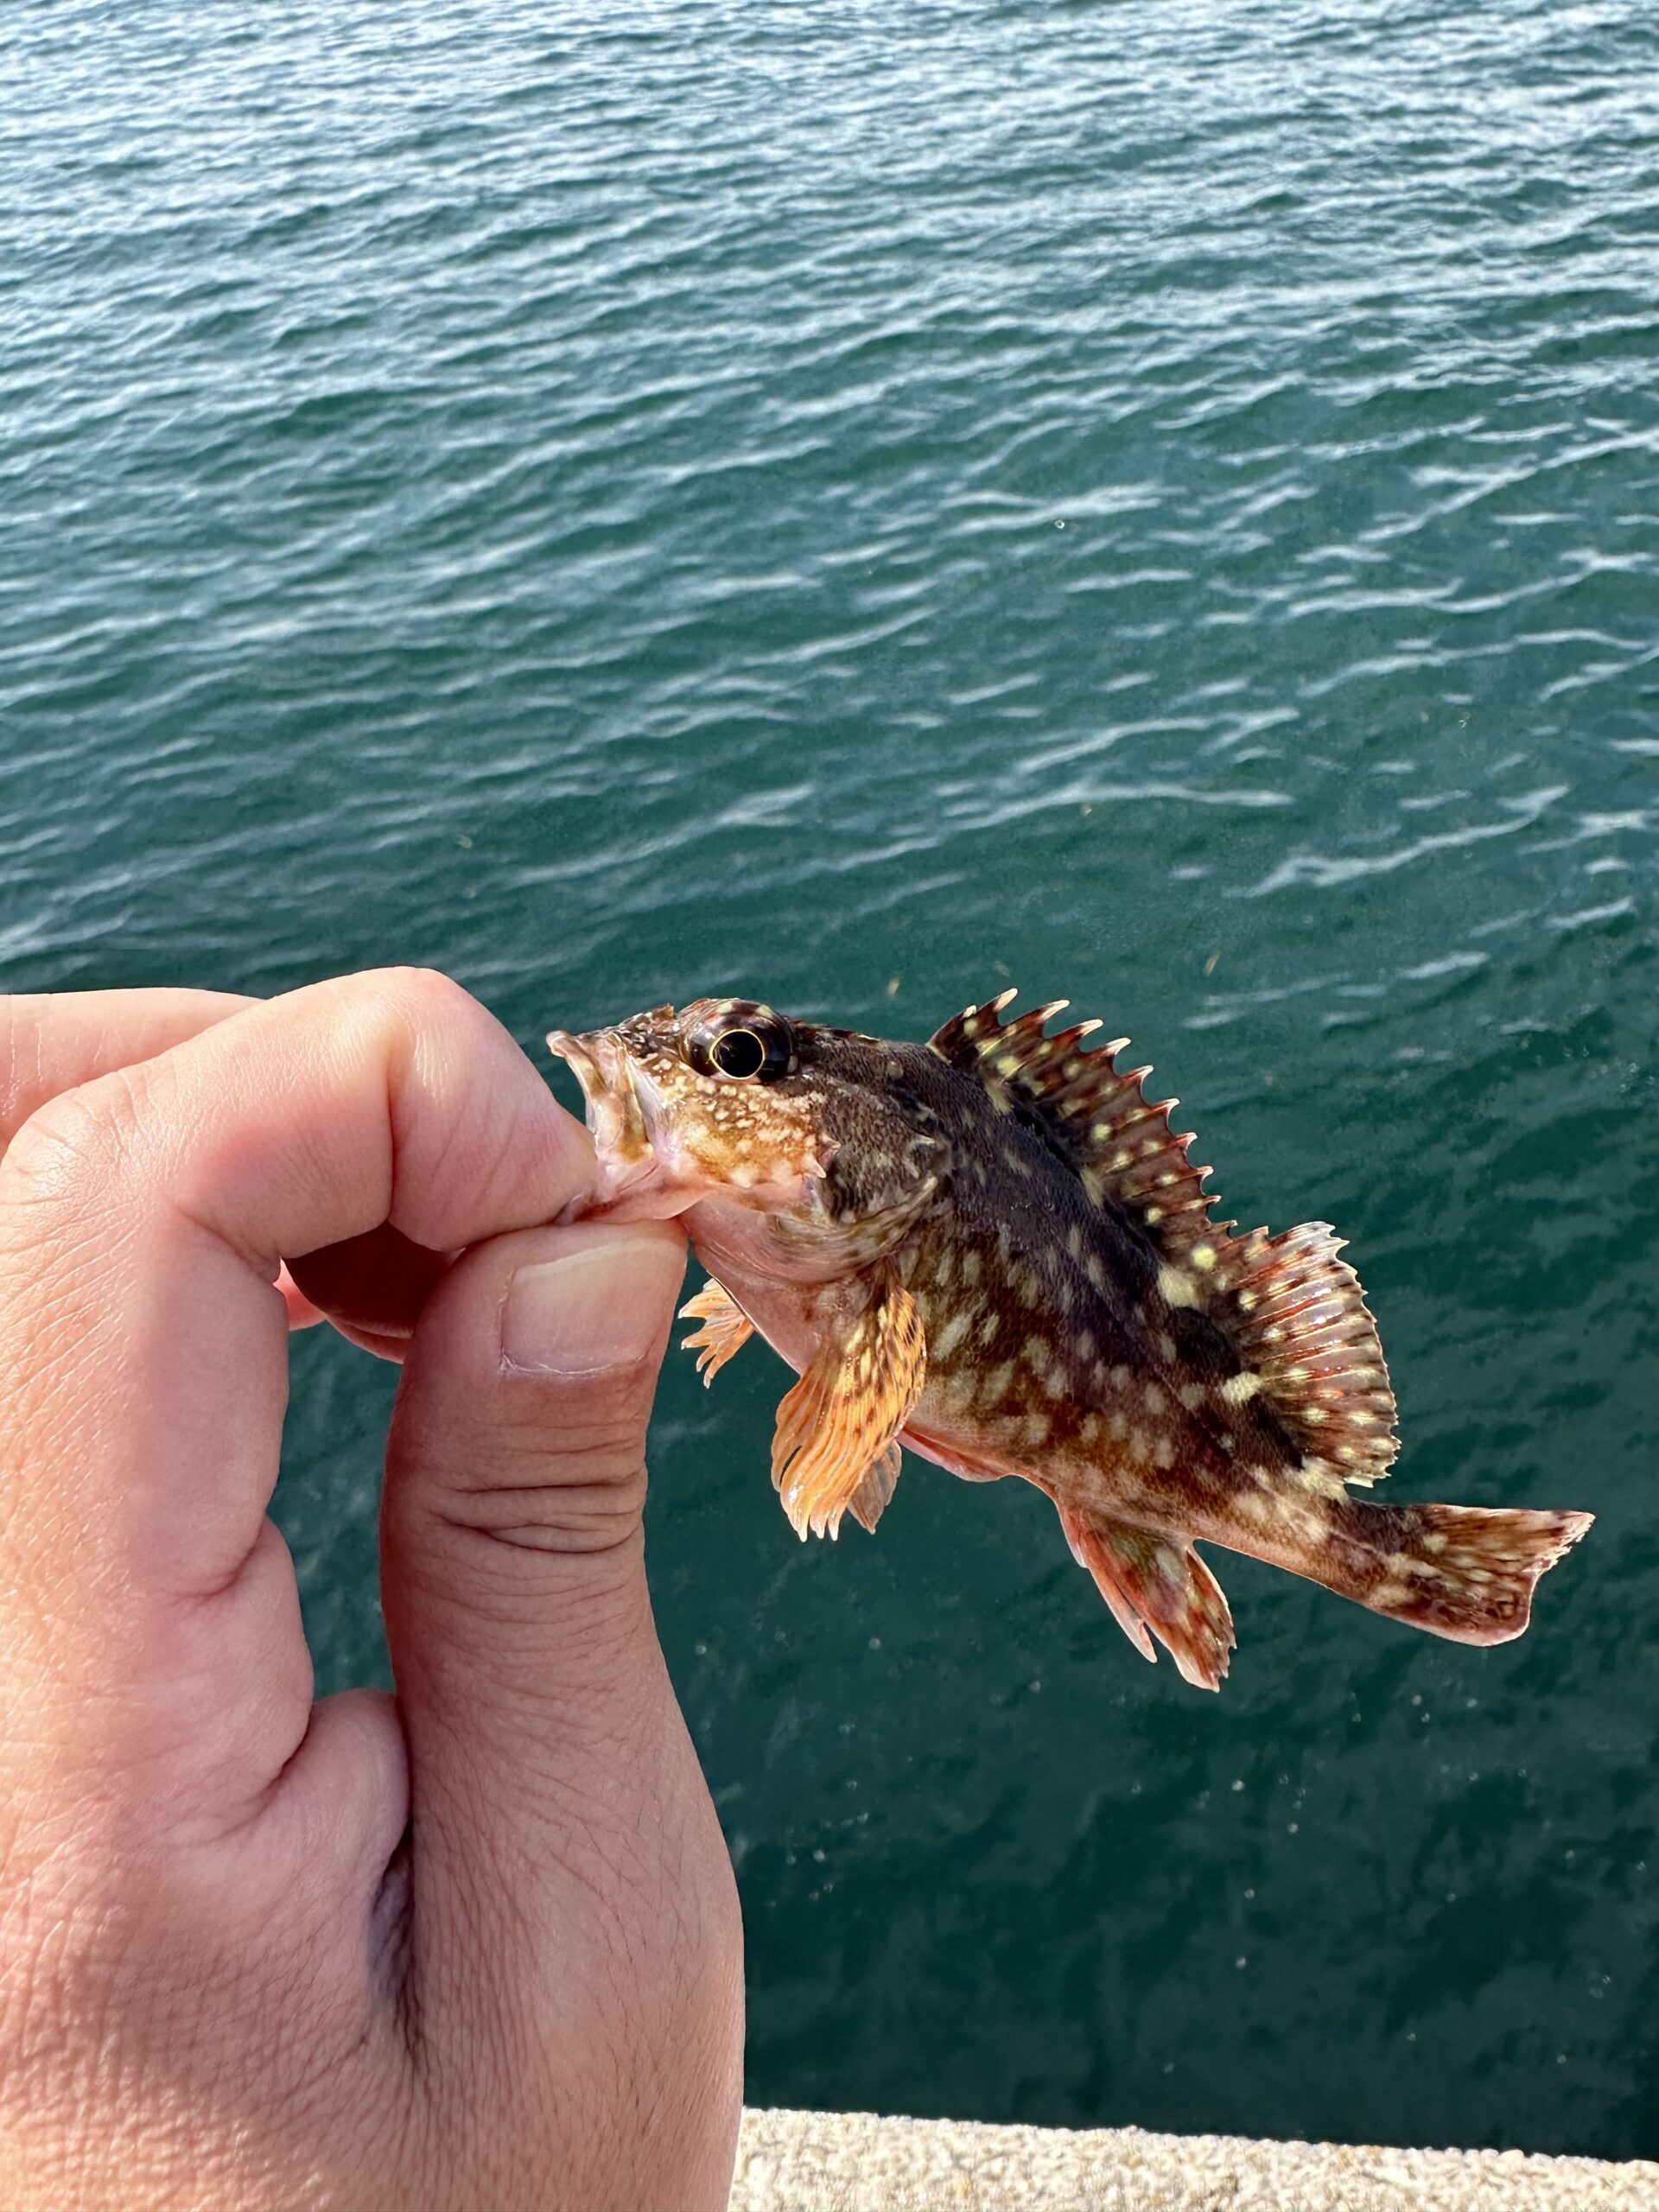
[[1152, 1582], [836, 1427], [726, 1328]]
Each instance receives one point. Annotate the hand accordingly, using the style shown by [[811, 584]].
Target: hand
[[477, 1947]]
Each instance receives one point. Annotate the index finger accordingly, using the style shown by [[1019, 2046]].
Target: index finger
[[142, 1347]]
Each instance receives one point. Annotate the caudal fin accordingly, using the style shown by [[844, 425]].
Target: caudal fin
[[1466, 1572]]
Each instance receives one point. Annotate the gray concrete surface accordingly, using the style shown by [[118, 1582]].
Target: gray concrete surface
[[854, 2161]]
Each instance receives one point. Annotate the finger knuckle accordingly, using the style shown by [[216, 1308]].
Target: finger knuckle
[[567, 1478], [564, 1516], [422, 997]]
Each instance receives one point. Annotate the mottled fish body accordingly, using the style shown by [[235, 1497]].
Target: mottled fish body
[[990, 1249]]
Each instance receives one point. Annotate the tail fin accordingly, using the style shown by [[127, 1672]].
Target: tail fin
[[1465, 1572]]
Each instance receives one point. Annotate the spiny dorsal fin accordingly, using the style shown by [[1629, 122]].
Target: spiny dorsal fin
[[1119, 1141], [1294, 1313]]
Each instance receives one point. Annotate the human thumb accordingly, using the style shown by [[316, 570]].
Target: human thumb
[[512, 1554], [571, 1907]]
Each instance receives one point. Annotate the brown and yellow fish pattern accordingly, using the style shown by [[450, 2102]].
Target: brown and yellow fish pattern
[[991, 1249]]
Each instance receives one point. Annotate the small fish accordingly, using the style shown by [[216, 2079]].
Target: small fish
[[992, 1249]]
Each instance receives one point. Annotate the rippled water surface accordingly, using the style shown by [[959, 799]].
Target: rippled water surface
[[860, 504]]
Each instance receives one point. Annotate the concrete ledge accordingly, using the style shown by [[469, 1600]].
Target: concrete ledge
[[854, 2162]]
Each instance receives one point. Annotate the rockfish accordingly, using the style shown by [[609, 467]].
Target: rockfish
[[992, 1249]]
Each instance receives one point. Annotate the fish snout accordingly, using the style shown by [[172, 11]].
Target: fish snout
[[630, 1183]]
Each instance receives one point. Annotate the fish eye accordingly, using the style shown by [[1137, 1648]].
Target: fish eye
[[739, 1052], [739, 1040]]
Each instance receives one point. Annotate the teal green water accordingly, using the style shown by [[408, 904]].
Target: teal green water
[[1158, 503]]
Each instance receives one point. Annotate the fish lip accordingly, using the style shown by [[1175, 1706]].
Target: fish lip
[[632, 1181], [599, 1062]]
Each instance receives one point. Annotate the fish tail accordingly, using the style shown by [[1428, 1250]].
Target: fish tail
[[1464, 1572]]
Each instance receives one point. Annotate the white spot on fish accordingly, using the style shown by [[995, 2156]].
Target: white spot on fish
[[1155, 1401], [1239, 1390], [1177, 1287], [946, 1339]]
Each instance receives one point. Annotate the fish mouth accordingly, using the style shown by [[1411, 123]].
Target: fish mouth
[[636, 1178]]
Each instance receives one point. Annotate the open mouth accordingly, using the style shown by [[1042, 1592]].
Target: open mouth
[[624, 1113]]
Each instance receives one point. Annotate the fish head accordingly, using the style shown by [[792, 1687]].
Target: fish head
[[801, 1142]]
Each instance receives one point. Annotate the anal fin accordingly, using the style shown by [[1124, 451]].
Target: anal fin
[[726, 1328], [836, 1427], [1153, 1582]]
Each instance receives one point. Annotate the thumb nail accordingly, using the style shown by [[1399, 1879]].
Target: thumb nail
[[602, 1305]]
